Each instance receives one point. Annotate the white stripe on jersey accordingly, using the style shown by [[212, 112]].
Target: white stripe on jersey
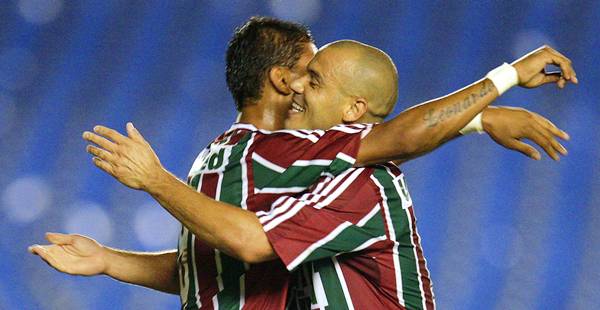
[[369, 215], [340, 275], [320, 294], [345, 129], [193, 250], [263, 161], [219, 270], [347, 158], [277, 210], [242, 126], [312, 162], [280, 190], [301, 203], [392, 232], [242, 290], [245, 183], [310, 137], [302, 256], [405, 207], [368, 243], [339, 190]]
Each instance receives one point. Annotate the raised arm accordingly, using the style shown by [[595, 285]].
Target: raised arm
[[131, 160], [426, 126]]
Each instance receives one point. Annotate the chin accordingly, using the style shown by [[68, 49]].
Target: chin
[[290, 125]]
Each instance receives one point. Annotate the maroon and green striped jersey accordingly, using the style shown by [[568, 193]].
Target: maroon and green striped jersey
[[251, 168], [352, 243]]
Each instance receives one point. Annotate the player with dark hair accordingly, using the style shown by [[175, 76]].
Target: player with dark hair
[[259, 45], [230, 170]]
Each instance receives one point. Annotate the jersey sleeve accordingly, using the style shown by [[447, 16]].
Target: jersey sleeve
[[340, 215], [289, 161]]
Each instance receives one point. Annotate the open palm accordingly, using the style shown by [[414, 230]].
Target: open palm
[[72, 254]]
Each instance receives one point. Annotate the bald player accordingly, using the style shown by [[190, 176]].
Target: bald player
[[134, 163]]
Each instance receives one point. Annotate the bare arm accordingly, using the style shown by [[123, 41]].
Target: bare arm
[[81, 255], [426, 126], [153, 270], [508, 126], [237, 232], [131, 160], [233, 230]]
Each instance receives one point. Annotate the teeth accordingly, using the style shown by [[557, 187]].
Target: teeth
[[296, 107]]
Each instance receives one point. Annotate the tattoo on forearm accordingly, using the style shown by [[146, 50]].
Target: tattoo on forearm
[[435, 116]]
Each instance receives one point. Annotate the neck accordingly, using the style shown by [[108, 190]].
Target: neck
[[264, 114], [369, 118]]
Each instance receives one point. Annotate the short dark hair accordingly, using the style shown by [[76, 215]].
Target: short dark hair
[[257, 46]]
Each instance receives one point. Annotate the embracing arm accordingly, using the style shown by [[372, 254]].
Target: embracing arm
[[426, 126], [238, 232], [230, 229], [131, 160]]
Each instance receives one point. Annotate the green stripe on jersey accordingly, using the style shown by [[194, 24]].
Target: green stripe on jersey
[[338, 166], [295, 176], [231, 192], [411, 290], [350, 238], [331, 284], [191, 299]]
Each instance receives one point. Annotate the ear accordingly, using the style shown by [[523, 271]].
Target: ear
[[354, 111], [280, 78]]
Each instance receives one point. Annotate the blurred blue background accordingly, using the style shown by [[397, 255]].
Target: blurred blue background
[[500, 231]]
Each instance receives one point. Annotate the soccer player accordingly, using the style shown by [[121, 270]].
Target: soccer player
[[228, 165]]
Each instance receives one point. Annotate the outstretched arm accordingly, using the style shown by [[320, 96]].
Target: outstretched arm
[[237, 232], [80, 255], [131, 160], [509, 126], [426, 126]]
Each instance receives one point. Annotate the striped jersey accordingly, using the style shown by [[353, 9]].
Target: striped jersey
[[352, 243], [251, 168]]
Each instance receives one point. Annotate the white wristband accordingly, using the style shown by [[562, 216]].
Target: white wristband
[[475, 125], [503, 77]]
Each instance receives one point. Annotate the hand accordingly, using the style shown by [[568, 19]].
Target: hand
[[508, 126], [72, 254], [131, 160], [531, 68]]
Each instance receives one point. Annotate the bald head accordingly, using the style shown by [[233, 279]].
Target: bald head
[[365, 71]]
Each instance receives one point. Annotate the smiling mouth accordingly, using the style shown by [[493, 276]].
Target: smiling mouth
[[297, 107]]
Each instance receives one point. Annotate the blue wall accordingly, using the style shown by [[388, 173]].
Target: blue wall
[[500, 231]]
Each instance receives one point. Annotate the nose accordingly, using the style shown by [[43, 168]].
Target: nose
[[297, 85]]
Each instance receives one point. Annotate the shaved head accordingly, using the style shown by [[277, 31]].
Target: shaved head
[[346, 82], [365, 71]]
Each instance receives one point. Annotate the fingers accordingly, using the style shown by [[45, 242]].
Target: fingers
[[32, 249], [565, 65], [100, 153], [104, 165], [133, 133], [44, 254], [548, 125], [99, 140], [525, 149], [546, 142], [110, 133], [60, 239]]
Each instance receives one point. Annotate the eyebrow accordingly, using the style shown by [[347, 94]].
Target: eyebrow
[[315, 75]]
